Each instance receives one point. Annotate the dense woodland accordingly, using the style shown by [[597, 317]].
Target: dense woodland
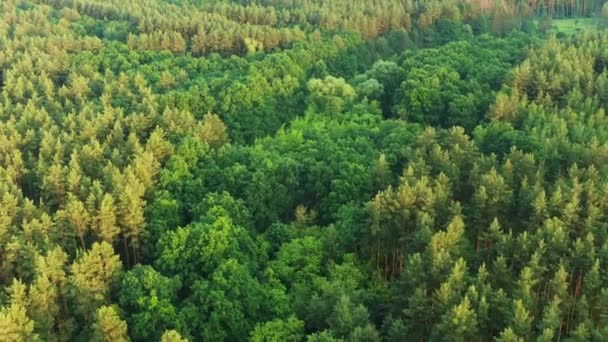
[[287, 170]]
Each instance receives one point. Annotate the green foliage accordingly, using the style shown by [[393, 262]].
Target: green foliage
[[339, 170], [330, 95], [172, 336], [455, 84], [108, 326], [289, 330], [148, 299]]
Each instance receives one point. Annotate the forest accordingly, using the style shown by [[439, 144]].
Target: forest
[[318, 171]]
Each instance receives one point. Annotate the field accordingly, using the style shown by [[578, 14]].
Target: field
[[573, 25]]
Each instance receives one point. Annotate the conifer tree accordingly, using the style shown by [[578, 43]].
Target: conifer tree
[[92, 276], [106, 219], [15, 325], [108, 326]]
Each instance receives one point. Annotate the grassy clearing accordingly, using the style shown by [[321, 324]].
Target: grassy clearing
[[574, 25]]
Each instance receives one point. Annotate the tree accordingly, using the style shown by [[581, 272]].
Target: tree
[[132, 216], [78, 218], [148, 300], [347, 316], [92, 276], [15, 325], [365, 333], [521, 320], [389, 75], [551, 323], [290, 330], [324, 336], [213, 131], [459, 324], [299, 260], [74, 175], [508, 335], [44, 305], [425, 94], [446, 246], [197, 250], [48, 294], [381, 173], [108, 326], [330, 95], [172, 336], [54, 185], [226, 305], [106, 219], [371, 89]]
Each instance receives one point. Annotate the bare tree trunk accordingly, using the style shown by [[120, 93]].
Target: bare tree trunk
[[126, 250]]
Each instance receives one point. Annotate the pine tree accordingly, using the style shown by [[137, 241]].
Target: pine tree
[[551, 324], [44, 306], [132, 215], [447, 245], [108, 326], [521, 320], [508, 335], [78, 218], [106, 219], [15, 325], [74, 179], [54, 184], [460, 323], [449, 291], [92, 275]]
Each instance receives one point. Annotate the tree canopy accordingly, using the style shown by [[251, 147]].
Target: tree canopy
[[284, 170]]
